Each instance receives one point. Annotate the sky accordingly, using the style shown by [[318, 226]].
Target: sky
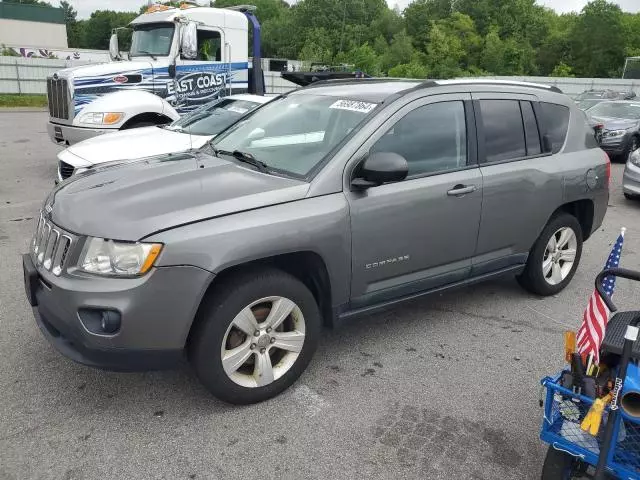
[[85, 7]]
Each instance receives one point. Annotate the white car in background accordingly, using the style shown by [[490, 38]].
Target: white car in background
[[192, 131]]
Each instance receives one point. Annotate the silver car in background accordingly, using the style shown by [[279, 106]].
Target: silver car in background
[[631, 178]]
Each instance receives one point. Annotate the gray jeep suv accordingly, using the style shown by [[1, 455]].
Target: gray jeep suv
[[331, 201]]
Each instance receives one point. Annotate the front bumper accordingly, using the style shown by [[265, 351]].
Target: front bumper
[[615, 146], [631, 180], [157, 311], [68, 134]]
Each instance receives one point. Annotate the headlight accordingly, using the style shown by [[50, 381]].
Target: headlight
[[635, 158], [120, 259], [101, 118], [616, 133]]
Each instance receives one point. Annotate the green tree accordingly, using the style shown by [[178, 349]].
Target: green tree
[[562, 70], [444, 53], [597, 41], [97, 29], [493, 53], [409, 70], [73, 30], [363, 58], [317, 47]]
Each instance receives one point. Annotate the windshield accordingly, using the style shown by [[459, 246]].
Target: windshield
[[629, 111], [151, 39], [212, 118], [587, 104], [294, 133]]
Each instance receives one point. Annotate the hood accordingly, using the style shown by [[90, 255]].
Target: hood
[[111, 68], [133, 200], [132, 144], [615, 123]]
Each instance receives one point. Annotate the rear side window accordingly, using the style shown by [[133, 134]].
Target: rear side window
[[503, 130], [530, 129], [555, 123]]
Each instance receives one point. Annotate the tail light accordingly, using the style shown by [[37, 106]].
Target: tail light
[[608, 168]]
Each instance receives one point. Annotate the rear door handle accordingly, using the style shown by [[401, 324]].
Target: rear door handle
[[460, 190]]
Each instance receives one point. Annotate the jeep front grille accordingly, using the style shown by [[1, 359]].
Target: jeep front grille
[[51, 246], [58, 96]]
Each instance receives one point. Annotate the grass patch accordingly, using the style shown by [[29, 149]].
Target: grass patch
[[10, 100]]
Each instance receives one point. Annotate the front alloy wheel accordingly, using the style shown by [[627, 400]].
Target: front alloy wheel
[[254, 335], [263, 342]]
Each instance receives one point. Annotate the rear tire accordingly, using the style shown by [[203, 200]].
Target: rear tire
[[261, 365], [549, 271], [559, 465]]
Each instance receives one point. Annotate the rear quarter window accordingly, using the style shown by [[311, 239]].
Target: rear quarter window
[[555, 123]]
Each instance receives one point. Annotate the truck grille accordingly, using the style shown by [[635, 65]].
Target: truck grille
[[58, 96], [65, 169], [50, 246]]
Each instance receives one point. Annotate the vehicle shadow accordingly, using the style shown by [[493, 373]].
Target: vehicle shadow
[[155, 393]]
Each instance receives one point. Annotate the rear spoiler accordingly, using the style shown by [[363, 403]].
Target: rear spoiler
[[307, 78]]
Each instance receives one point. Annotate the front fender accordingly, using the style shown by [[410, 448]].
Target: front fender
[[129, 102]]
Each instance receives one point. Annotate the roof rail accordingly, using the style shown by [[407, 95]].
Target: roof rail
[[490, 81], [434, 83]]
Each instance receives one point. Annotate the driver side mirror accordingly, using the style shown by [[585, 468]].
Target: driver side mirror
[[114, 47], [189, 41], [379, 168]]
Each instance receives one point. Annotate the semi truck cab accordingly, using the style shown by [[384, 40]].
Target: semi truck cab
[[179, 59]]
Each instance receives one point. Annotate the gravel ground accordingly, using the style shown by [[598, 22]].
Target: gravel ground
[[441, 388]]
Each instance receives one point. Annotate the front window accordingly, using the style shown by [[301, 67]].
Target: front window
[[629, 111], [152, 40], [294, 134], [212, 118]]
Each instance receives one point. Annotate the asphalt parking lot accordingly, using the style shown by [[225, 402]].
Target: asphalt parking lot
[[446, 387]]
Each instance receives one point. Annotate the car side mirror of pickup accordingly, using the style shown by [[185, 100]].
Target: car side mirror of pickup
[[379, 168]]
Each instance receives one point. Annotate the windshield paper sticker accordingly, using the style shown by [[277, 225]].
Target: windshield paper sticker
[[239, 110], [354, 106]]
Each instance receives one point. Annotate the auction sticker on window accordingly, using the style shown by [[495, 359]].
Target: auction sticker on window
[[354, 106]]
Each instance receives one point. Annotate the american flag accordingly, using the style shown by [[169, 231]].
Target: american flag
[[596, 316]]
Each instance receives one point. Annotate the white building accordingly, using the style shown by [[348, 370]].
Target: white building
[[32, 25]]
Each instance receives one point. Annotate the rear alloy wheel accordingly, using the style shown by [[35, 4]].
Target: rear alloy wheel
[[255, 335], [555, 256], [559, 255]]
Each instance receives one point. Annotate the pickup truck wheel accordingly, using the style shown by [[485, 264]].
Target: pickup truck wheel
[[555, 256], [255, 336]]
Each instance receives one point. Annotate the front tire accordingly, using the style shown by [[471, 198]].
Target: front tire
[[555, 256], [255, 335], [634, 144]]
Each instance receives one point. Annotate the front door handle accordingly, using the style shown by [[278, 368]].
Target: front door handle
[[460, 190]]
